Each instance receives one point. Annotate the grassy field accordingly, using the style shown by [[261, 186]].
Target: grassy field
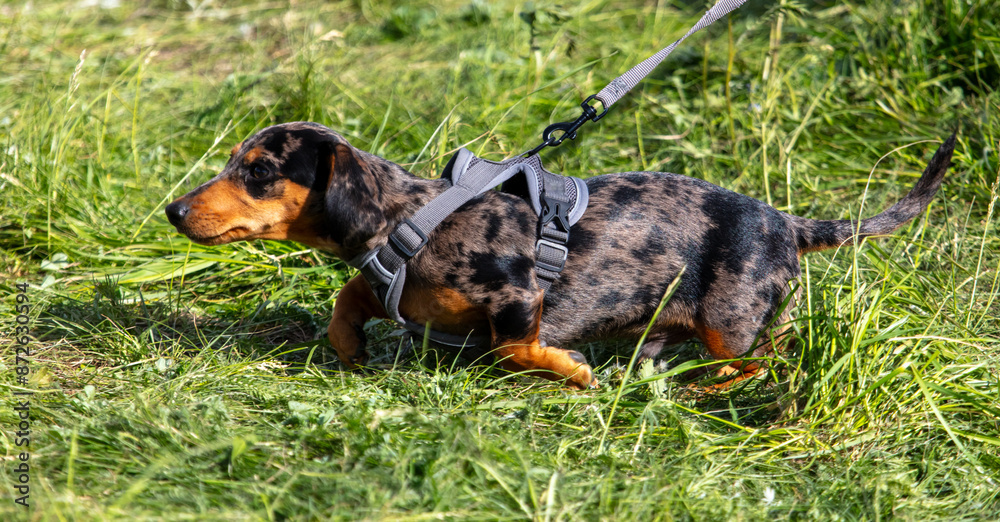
[[172, 381]]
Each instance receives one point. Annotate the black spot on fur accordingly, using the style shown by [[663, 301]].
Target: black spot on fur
[[494, 224], [494, 272], [653, 246], [668, 190], [625, 195], [445, 226], [303, 165], [774, 301], [691, 288], [646, 294], [513, 208], [581, 241], [819, 233], [610, 299], [736, 225], [275, 143], [513, 320]]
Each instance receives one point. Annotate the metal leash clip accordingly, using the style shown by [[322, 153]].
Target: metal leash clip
[[568, 128], [621, 85]]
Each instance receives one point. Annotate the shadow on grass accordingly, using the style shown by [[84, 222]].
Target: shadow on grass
[[119, 328]]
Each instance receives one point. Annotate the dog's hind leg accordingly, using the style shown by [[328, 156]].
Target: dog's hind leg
[[515, 319], [722, 344]]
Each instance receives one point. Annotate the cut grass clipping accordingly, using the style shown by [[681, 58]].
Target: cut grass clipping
[[168, 380]]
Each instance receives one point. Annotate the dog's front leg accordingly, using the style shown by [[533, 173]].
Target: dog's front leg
[[515, 318], [355, 305]]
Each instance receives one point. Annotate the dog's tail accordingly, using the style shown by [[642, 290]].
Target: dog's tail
[[812, 234]]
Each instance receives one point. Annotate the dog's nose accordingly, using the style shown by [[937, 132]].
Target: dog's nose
[[176, 212]]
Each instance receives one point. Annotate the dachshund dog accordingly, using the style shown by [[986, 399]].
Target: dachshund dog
[[304, 182]]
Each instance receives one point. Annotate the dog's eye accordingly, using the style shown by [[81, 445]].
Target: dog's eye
[[258, 172]]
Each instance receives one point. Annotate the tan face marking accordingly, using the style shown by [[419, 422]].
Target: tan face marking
[[253, 155], [224, 212]]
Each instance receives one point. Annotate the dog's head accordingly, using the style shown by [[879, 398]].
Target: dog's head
[[298, 181]]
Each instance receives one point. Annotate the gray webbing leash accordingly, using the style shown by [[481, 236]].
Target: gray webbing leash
[[613, 91]]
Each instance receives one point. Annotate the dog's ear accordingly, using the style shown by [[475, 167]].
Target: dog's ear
[[353, 194]]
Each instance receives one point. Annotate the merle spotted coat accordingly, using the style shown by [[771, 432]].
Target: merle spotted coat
[[304, 182]]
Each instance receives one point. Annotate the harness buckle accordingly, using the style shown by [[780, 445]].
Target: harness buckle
[[561, 249], [554, 210], [398, 241]]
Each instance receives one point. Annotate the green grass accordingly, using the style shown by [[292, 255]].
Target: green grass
[[175, 381]]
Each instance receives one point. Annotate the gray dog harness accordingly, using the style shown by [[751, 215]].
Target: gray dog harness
[[558, 200]]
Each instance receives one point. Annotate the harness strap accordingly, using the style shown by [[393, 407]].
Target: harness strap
[[385, 267], [553, 231], [558, 200]]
